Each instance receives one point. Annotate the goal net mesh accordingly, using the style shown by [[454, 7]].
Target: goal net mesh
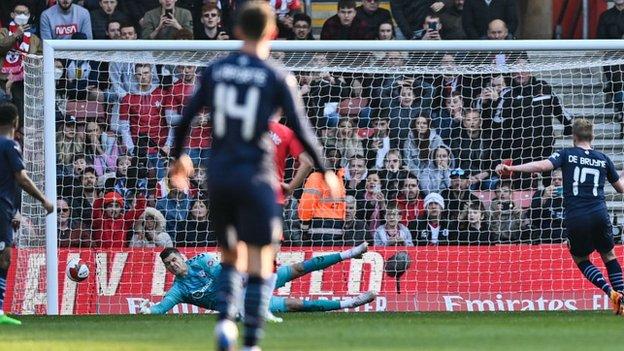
[[414, 135]]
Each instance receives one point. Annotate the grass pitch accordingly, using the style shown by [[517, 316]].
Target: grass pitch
[[329, 331]]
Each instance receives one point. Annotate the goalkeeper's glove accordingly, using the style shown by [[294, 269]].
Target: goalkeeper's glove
[[144, 307]]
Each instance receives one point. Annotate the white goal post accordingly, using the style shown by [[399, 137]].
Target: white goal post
[[544, 56]]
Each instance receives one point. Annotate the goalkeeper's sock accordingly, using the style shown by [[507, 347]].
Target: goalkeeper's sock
[[272, 281], [355, 251], [615, 275], [320, 262], [3, 276], [320, 305], [228, 291], [256, 303], [594, 275]]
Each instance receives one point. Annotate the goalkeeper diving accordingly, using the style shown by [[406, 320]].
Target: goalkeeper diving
[[195, 283]]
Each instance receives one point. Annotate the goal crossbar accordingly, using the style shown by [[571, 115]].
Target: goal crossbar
[[53, 47]]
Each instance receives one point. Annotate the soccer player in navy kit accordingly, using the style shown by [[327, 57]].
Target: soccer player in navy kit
[[242, 92], [12, 176], [586, 218]]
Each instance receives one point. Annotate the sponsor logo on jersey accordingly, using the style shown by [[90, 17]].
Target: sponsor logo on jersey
[[276, 139], [199, 293]]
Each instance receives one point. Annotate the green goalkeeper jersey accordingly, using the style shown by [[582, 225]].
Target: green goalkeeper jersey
[[198, 287]]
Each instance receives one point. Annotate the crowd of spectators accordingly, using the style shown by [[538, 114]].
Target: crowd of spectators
[[416, 152]]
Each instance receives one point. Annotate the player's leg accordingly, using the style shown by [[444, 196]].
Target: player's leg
[[6, 235], [229, 280], [614, 270], [258, 291], [272, 281], [294, 271], [283, 304], [259, 227], [592, 273], [581, 244], [604, 243]]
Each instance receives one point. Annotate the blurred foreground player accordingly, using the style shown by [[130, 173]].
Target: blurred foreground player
[[12, 175], [586, 217], [195, 277], [243, 91]]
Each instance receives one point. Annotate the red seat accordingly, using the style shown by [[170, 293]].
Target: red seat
[[485, 196], [86, 110], [523, 197]]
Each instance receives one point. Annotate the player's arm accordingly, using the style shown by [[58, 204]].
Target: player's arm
[[201, 98], [29, 186], [298, 121], [612, 176], [619, 185], [182, 167], [531, 167], [295, 115], [172, 298], [305, 167]]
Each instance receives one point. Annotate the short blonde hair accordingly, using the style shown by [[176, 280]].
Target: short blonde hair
[[583, 129], [255, 19]]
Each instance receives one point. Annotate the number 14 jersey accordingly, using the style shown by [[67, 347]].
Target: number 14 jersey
[[242, 93]]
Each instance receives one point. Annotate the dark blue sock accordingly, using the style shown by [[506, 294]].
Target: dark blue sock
[[228, 291], [3, 275], [256, 303], [615, 275], [594, 275]]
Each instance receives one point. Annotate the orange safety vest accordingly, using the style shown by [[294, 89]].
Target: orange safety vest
[[316, 201]]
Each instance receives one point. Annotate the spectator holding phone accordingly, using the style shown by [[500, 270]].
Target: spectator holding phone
[[431, 29], [164, 21], [410, 14]]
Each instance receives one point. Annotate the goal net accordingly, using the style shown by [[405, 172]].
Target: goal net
[[415, 135]]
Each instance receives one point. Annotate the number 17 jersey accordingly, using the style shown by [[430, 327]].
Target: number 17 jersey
[[584, 174]]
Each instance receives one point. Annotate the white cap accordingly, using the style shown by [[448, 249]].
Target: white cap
[[434, 197]]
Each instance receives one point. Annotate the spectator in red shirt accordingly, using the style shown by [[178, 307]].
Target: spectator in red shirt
[[410, 202], [142, 112], [283, 7], [200, 138], [111, 224], [345, 25]]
